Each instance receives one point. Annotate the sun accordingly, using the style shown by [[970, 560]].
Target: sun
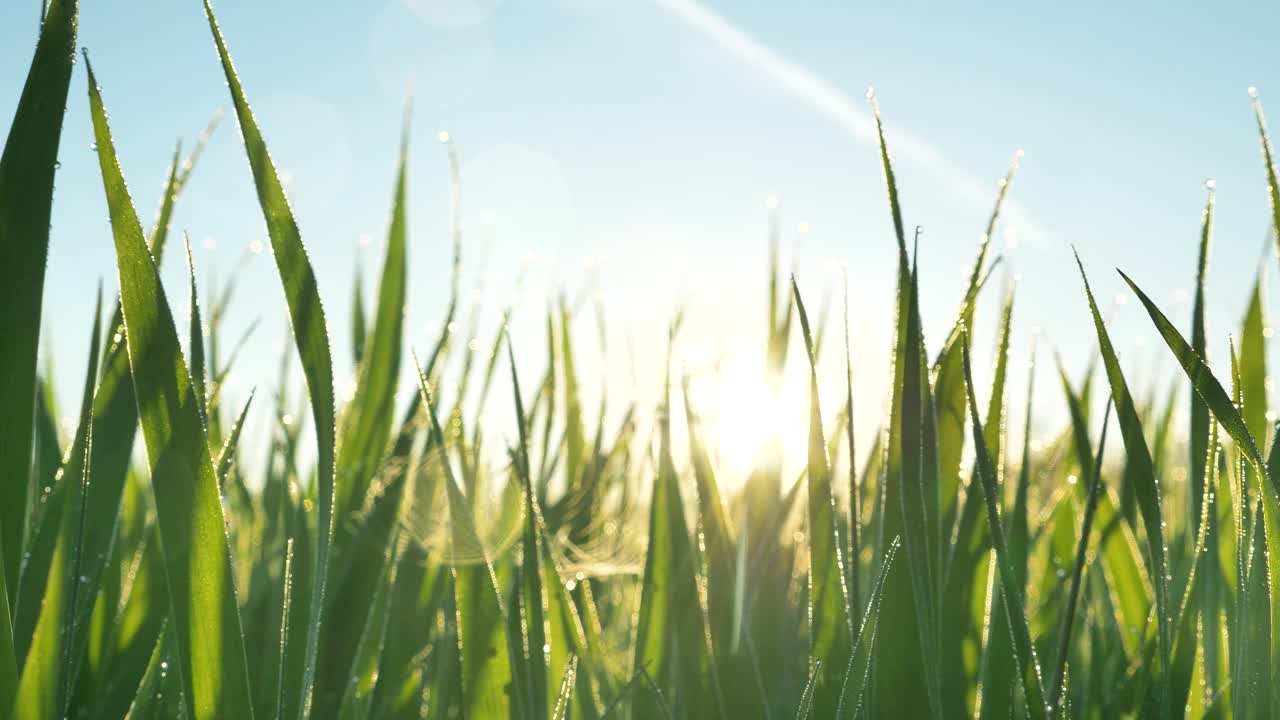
[[746, 413]]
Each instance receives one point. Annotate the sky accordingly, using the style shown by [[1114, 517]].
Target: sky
[[626, 153]]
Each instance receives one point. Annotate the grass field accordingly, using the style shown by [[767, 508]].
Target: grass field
[[404, 563]]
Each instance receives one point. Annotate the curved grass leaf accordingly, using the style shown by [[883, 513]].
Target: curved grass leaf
[[1268, 159], [948, 384], [364, 672], [360, 545], [1129, 587], [670, 636], [830, 626], [310, 335], [1057, 687], [997, 659], [1220, 404], [1253, 366], [1024, 652], [856, 674], [1199, 418], [900, 657], [47, 670], [26, 201], [1139, 470], [486, 669], [206, 621], [366, 422]]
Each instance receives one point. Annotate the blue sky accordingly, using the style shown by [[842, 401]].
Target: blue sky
[[628, 148]]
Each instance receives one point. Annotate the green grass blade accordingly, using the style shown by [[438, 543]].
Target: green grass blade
[[567, 681], [1187, 625], [47, 669], [364, 673], [486, 668], [360, 544], [1199, 418], [899, 657], [206, 622], [860, 660], [670, 637], [366, 423], [309, 332], [998, 657], [1140, 470], [532, 596], [1122, 567], [1253, 366], [1268, 158], [115, 422], [227, 456], [810, 688], [918, 499], [830, 626], [948, 383], [554, 632], [735, 665], [359, 329], [26, 200], [1024, 651], [196, 337], [1220, 404], [1057, 687]]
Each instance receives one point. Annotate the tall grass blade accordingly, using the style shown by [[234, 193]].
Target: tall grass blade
[[1234, 424], [1139, 469], [948, 383], [366, 422], [1057, 687], [998, 661], [1129, 587], [310, 335], [900, 655], [1253, 365], [47, 671], [1024, 652], [670, 636], [1199, 418], [1268, 159], [486, 669], [26, 200], [830, 625], [197, 563], [858, 671]]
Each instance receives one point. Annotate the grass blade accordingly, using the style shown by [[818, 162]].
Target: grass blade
[[485, 663], [1139, 469], [1199, 428], [1057, 687], [47, 671], [1129, 587], [900, 656], [670, 636], [1268, 159], [26, 200], [206, 621], [830, 626], [1024, 651], [309, 332], [366, 422], [1229, 418], [856, 674], [1253, 367]]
